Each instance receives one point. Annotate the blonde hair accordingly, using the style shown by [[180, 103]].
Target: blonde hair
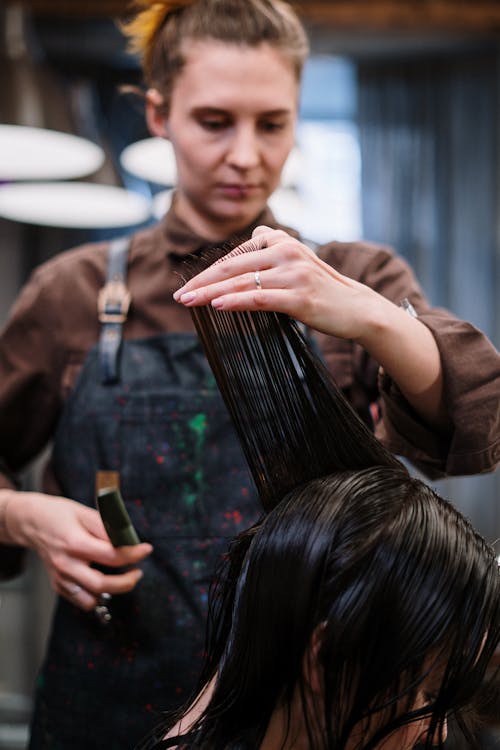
[[159, 29]]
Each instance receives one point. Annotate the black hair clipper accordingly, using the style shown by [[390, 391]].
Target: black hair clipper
[[115, 517], [121, 532]]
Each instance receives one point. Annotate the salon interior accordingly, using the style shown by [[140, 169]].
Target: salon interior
[[399, 128]]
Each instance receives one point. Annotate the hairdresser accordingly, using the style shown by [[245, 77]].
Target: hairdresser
[[122, 392]]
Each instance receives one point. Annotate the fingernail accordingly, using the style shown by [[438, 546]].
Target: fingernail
[[177, 294], [188, 297], [218, 303]]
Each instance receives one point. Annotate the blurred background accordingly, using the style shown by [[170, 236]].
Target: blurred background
[[398, 142]]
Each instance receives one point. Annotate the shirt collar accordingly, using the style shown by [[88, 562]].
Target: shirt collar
[[180, 240]]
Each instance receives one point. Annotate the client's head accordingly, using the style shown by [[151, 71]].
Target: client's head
[[367, 608]]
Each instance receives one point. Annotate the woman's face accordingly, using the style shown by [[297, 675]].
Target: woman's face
[[287, 728], [415, 733], [231, 123]]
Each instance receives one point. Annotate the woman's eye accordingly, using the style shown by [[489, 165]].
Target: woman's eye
[[213, 124], [271, 127]]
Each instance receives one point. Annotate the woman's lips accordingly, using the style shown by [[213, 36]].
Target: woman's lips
[[237, 191]]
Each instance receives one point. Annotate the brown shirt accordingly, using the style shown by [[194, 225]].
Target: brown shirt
[[54, 323]]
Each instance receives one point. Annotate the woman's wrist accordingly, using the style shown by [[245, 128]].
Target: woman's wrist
[[6, 498], [378, 325], [407, 351]]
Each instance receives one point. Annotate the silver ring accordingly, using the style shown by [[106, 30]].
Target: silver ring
[[258, 283], [101, 609], [72, 589]]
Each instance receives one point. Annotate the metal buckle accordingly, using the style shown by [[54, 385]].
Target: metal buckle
[[116, 296]]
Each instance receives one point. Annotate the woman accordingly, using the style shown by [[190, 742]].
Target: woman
[[125, 394], [366, 611]]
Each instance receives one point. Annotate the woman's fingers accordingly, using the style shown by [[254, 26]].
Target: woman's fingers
[[262, 229], [93, 549], [70, 539], [87, 585], [271, 268], [230, 267], [276, 272], [283, 276], [79, 535], [75, 578], [259, 253], [276, 300], [244, 283], [76, 594]]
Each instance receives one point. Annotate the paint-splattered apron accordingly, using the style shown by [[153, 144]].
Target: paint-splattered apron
[[165, 429]]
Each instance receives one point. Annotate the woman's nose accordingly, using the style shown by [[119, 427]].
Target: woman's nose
[[244, 149], [444, 730], [439, 736]]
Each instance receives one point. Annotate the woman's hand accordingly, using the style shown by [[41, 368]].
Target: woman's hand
[[292, 279], [69, 537], [276, 272]]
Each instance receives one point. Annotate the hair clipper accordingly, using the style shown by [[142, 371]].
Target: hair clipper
[[115, 517]]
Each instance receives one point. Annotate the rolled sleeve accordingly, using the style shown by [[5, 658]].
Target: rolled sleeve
[[471, 378]]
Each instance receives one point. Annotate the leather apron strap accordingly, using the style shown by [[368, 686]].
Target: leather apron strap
[[112, 307]]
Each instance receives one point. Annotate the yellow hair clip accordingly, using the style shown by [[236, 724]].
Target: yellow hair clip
[[142, 29]]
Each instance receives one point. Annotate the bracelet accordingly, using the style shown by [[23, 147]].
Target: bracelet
[[408, 307]]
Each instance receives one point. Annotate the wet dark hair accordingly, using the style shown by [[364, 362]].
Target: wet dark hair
[[399, 583], [293, 421], [357, 573], [395, 584]]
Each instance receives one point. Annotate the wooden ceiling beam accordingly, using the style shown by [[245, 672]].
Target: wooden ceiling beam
[[469, 16]]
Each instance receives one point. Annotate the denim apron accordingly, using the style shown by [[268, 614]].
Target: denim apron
[[162, 425]]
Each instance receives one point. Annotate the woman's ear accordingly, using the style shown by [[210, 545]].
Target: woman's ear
[[313, 671], [156, 114]]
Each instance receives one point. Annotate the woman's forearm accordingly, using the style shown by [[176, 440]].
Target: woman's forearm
[[407, 351]]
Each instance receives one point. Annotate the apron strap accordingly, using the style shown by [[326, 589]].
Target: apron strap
[[112, 306]]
